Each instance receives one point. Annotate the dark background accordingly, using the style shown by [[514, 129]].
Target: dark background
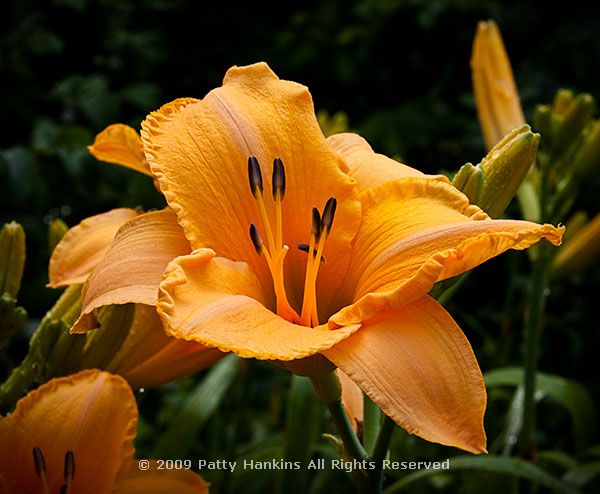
[[398, 68]]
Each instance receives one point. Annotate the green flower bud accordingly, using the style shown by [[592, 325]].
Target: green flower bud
[[587, 158], [495, 181], [568, 125], [12, 258], [56, 231]]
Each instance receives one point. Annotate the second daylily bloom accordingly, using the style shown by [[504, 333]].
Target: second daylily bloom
[[75, 434], [279, 244], [146, 355]]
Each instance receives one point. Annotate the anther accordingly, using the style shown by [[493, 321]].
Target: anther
[[328, 214], [278, 181], [255, 176], [257, 240], [38, 461], [306, 248], [69, 466], [315, 228]]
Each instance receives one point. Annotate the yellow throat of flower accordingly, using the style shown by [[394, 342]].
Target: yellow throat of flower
[[275, 251]]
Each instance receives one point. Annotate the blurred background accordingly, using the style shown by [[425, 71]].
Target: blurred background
[[398, 69]]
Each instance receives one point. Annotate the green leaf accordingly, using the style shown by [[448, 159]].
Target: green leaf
[[570, 394], [582, 474], [302, 430], [514, 467], [197, 408]]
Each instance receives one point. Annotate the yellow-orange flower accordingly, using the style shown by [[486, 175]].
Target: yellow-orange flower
[[333, 257], [498, 103], [78, 432], [147, 356]]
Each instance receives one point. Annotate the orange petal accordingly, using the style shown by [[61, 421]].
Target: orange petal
[[366, 166], [84, 246], [120, 144], [498, 104], [133, 266], [417, 365], [205, 147], [155, 481], [91, 413], [415, 232], [148, 357], [352, 398], [220, 303]]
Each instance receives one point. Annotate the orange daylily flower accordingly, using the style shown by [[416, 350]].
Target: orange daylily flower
[[148, 356], [331, 259], [498, 103], [76, 433]]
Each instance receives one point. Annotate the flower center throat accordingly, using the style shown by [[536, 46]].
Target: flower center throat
[[275, 251]]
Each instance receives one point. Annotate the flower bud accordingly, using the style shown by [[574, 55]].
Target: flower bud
[[12, 258], [570, 121], [56, 231], [495, 181], [587, 158], [580, 251], [498, 104]]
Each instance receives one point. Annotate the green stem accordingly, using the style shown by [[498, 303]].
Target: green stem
[[371, 423], [351, 443], [533, 327], [379, 453]]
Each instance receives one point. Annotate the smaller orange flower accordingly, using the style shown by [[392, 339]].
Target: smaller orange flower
[[75, 435]]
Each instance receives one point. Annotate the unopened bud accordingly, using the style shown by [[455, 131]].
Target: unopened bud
[[580, 251], [587, 158], [494, 182], [498, 104], [12, 258], [12, 318], [572, 121], [56, 231], [562, 99]]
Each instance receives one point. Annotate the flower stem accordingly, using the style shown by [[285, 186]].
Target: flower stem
[[351, 443], [533, 327]]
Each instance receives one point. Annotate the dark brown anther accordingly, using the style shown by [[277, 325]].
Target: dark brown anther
[[278, 178], [38, 461], [255, 176], [257, 240], [315, 228], [306, 247], [69, 466], [328, 215]]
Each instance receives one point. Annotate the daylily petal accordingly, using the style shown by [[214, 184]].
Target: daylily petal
[[84, 246], [120, 144], [367, 167], [132, 268], [418, 366], [154, 481], [199, 155], [148, 357], [221, 303], [91, 413], [415, 232], [352, 398]]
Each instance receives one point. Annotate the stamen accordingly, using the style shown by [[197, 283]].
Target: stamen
[[278, 182], [40, 468], [328, 215], [306, 248], [315, 228], [257, 240], [275, 252], [69, 472], [320, 228], [255, 176]]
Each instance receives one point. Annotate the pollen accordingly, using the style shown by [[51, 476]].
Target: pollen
[[275, 251]]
